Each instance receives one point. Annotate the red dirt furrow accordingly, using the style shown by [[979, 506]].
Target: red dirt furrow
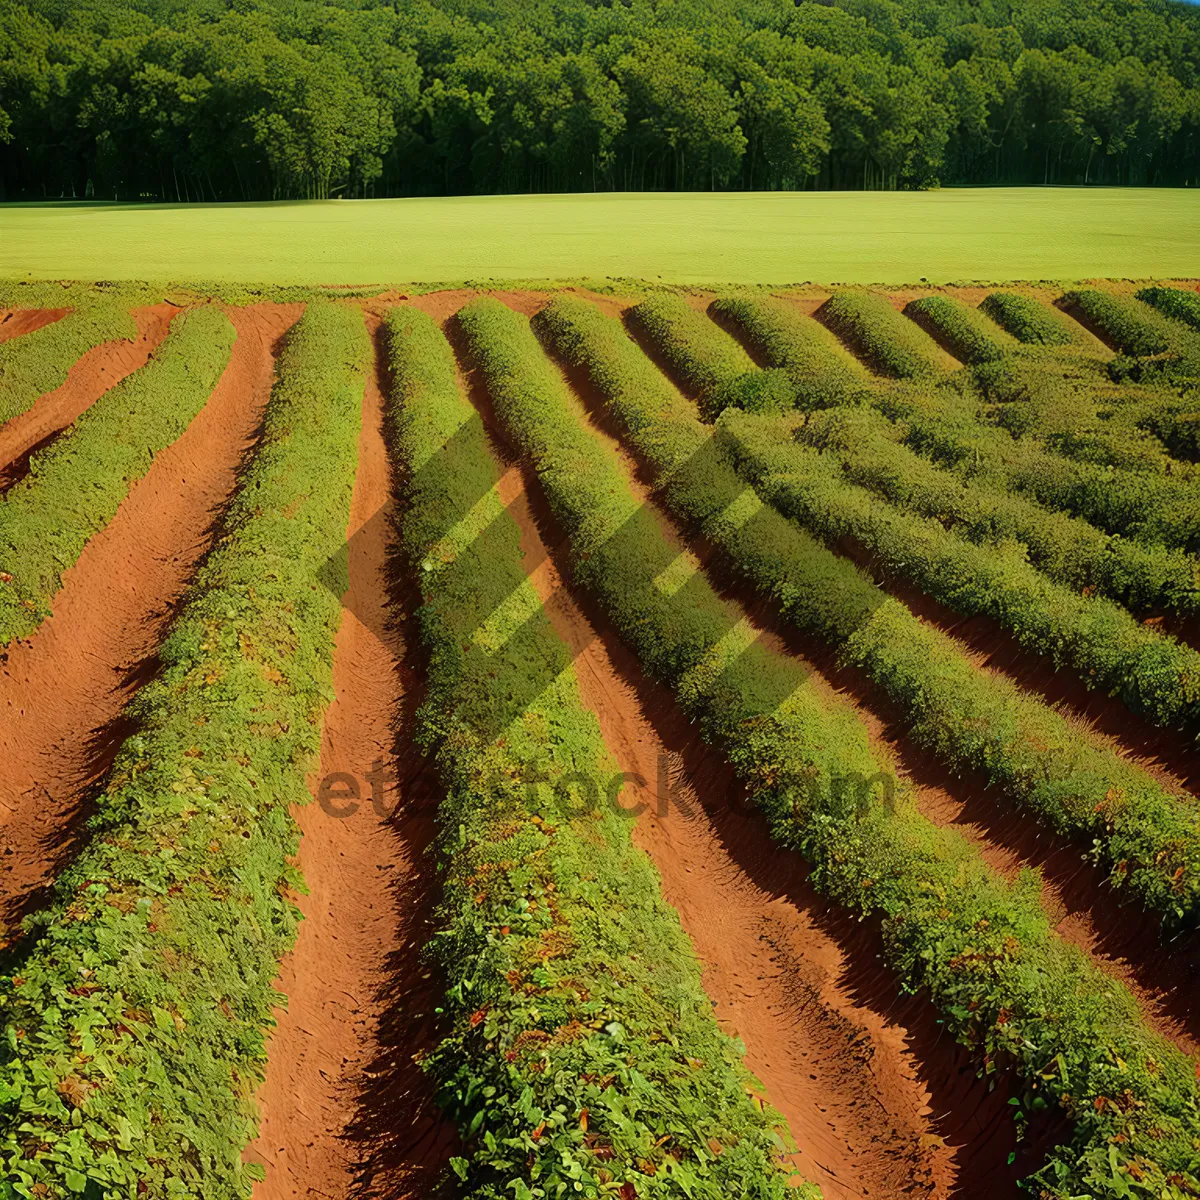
[[62, 691], [17, 321], [1171, 755], [1124, 942], [879, 1102], [344, 1107], [101, 368]]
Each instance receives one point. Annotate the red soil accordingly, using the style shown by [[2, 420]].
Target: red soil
[[16, 321], [63, 689], [99, 369], [344, 1107], [1124, 942], [879, 1102]]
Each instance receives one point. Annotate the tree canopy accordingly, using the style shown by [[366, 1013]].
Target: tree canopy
[[264, 99]]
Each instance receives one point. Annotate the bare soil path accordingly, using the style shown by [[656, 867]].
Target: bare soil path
[[17, 321], [62, 691], [345, 1110], [101, 368]]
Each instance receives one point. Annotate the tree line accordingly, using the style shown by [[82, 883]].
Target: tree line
[[212, 100]]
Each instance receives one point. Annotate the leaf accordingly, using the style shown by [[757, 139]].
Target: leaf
[[461, 1167]]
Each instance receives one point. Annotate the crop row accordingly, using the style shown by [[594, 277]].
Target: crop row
[[1075, 411], [1152, 673], [1153, 509], [1065, 548], [582, 1052], [1160, 510], [1127, 324], [889, 342], [708, 361], [37, 362], [1029, 320], [1006, 987], [135, 1009], [1149, 837], [801, 347], [1174, 302], [966, 332], [77, 483]]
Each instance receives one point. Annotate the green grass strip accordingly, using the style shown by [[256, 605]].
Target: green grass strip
[[77, 483], [709, 363], [887, 341], [1152, 673], [582, 1051], [1174, 302], [135, 1012], [1148, 837], [1067, 549], [1029, 320], [798, 345], [1016, 995], [38, 362], [964, 330]]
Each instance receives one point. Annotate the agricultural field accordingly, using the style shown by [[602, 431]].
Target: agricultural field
[[625, 741]]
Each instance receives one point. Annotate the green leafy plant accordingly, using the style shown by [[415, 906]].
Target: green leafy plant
[[135, 1006], [709, 363], [964, 331], [887, 341], [582, 1054], [38, 362], [1067, 549], [43, 525], [799, 346], [1174, 302], [1029, 320]]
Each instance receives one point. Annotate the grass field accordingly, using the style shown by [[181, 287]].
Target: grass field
[[772, 238]]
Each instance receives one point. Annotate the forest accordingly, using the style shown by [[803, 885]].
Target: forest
[[219, 100]]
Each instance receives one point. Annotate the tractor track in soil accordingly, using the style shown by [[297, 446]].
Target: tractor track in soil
[[345, 1109]]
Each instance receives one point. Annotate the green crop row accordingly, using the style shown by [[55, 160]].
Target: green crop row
[[1174, 302], [1153, 674], [135, 1010], [38, 362], [964, 331], [1149, 838], [1175, 423], [1128, 325], [1074, 410], [77, 483], [708, 362], [582, 1052], [1029, 320], [1153, 509], [1019, 997], [799, 346], [890, 343], [1067, 549]]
